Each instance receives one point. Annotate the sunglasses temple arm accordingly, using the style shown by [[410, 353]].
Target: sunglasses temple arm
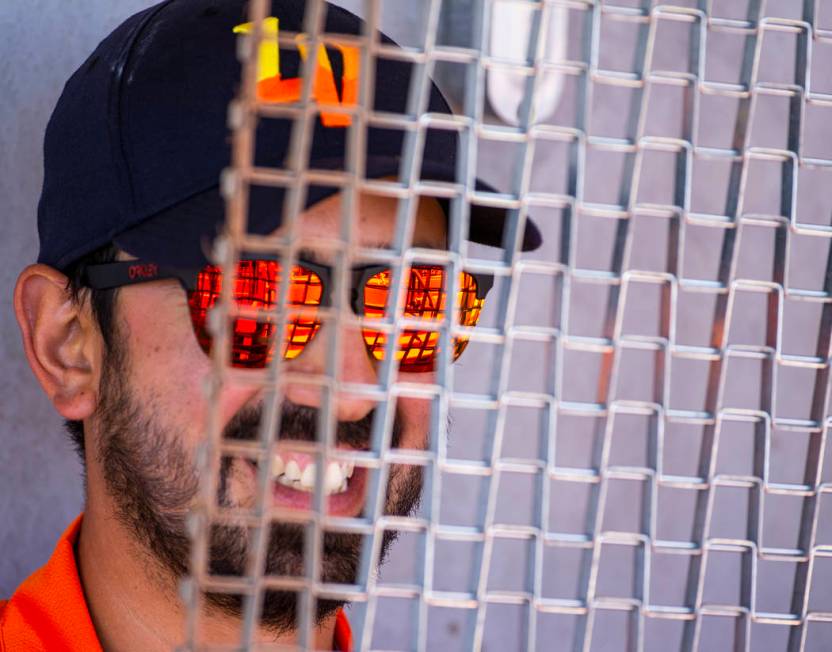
[[132, 272]]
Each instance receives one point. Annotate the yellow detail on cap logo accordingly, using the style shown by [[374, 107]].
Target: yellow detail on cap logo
[[272, 87]]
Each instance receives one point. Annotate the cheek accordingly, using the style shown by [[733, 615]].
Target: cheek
[[415, 414], [170, 371]]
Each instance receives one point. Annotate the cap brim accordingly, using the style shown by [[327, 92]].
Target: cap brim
[[183, 234]]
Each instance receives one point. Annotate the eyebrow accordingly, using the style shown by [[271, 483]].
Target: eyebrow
[[311, 255], [418, 243]]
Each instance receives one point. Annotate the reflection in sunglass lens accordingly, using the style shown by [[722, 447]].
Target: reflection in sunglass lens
[[257, 287], [425, 299]]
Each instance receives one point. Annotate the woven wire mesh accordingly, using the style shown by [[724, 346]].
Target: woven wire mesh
[[651, 476]]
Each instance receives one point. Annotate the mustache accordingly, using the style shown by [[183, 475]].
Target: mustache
[[300, 423]]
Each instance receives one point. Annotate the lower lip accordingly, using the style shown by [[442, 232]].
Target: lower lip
[[345, 503]]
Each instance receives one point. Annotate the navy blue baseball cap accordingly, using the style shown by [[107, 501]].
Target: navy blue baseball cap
[[137, 143]]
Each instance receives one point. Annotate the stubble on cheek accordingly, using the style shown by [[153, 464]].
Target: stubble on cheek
[[238, 486], [150, 473]]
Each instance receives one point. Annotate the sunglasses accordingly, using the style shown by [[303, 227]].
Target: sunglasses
[[257, 287]]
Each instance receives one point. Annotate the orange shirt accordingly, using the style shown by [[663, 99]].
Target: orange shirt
[[48, 612]]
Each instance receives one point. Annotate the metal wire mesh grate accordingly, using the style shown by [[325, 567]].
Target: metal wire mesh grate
[[650, 475]]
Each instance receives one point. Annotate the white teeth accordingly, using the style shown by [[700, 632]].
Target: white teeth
[[292, 470], [334, 478], [290, 475], [282, 479], [278, 466], [307, 480]]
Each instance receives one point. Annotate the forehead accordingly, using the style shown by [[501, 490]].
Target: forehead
[[374, 223]]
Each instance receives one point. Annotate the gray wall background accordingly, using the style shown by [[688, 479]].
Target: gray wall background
[[40, 484], [43, 41]]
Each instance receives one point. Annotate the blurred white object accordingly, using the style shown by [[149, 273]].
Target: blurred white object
[[511, 26]]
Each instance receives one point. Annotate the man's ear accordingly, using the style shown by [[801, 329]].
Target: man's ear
[[60, 341]]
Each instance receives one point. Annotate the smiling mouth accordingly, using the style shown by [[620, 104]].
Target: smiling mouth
[[293, 478], [298, 472]]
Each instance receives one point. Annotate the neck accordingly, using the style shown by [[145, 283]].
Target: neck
[[132, 607]]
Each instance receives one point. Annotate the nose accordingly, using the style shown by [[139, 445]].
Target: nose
[[355, 366]]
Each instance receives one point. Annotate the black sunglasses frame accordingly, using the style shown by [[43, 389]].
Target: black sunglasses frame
[[108, 276]]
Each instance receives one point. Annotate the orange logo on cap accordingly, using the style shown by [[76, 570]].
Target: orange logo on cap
[[272, 87]]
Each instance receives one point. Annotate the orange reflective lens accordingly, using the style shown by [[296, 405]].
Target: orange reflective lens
[[256, 287], [425, 299]]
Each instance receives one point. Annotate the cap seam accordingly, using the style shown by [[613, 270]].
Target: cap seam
[[119, 122], [70, 257], [79, 252], [183, 194]]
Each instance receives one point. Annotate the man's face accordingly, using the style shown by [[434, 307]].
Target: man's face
[[152, 415]]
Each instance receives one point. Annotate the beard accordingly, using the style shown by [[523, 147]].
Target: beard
[[153, 481]]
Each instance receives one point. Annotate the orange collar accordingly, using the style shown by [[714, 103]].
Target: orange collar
[[48, 611]]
